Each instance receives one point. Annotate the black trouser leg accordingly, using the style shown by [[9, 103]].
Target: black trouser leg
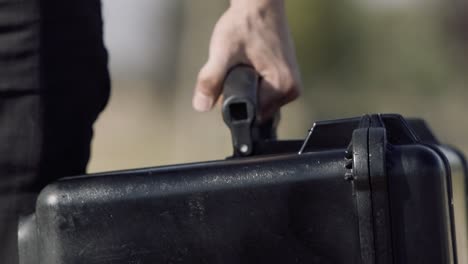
[[53, 84]]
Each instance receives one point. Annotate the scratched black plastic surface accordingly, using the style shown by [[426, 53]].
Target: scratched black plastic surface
[[286, 208], [264, 210]]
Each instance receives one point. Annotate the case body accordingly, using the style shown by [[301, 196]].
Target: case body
[[363, 190]]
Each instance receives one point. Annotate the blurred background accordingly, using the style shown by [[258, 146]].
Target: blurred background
[[356, 57]]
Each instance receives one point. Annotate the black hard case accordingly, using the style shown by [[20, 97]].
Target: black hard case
[[364, 190], [375, 189]]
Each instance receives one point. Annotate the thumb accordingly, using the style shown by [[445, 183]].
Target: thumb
[[209, 84]]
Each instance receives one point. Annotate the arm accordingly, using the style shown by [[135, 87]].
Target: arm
[[253, 32]]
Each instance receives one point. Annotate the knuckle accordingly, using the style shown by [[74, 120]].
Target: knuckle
[[293, 94], [285, 87], [291, 88]]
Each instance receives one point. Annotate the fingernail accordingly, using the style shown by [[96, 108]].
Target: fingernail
[[201, 102]]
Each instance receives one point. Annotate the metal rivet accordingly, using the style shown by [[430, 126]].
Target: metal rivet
[[244, 148]]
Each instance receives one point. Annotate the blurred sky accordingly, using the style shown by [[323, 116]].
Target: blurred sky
[[137, 34]]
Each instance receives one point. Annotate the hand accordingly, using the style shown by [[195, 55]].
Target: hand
[[254, 33]]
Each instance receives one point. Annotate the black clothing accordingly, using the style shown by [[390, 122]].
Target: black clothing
[[54, 82]]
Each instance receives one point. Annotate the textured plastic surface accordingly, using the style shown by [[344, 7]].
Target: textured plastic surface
[[372, 191], [257, 211]]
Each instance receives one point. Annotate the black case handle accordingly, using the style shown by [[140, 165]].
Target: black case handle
[[240, 105]]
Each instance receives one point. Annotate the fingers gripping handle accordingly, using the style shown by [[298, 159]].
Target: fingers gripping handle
[[240, 105]]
